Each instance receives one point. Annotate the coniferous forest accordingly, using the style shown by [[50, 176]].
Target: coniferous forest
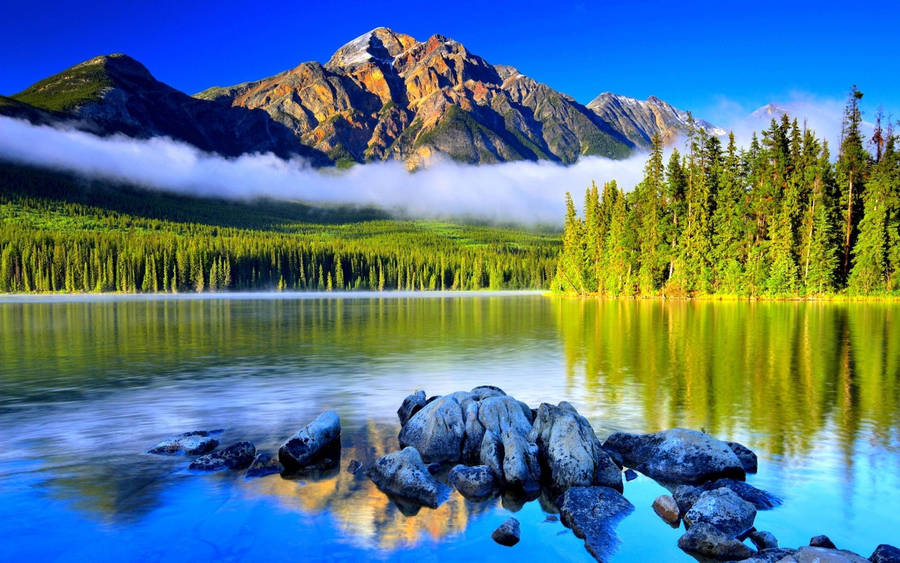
[[780, 218]]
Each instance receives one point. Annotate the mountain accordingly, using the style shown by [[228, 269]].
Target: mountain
[[117, 94], [639, 120], [382, 96]]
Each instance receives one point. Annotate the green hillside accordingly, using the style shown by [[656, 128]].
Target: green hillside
[[63, 233]]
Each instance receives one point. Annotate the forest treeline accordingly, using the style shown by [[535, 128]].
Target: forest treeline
[[779, 218], [56, 235]]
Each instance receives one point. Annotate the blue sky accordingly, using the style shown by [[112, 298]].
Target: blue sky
[[709, 57]]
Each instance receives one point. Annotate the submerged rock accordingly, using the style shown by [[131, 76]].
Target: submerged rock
[[677, 455], [353, 467], [570, 450], [474, 483], [264, 464], [822, 541], [811, 554], [630, 474], [593, 513], [314, 444], [404, 474], [236, 456], [197, 442], [507, 533], [667, 509], [885, 553], [705, 540], [745, 455], [724, 509]]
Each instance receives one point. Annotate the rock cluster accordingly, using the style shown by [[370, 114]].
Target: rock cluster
[[484, 442]]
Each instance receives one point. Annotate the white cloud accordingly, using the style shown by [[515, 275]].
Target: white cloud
[[524, 192]]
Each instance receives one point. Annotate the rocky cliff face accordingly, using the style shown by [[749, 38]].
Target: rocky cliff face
[[385, 95], [639, 120], [382, 96]]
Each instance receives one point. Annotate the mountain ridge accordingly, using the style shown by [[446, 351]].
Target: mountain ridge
[[382, 96]]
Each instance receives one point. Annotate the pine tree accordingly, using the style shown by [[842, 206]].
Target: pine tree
[[851, 168]]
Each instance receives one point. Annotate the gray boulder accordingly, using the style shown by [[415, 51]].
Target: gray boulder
[[677, 456], [484, 391], [570, 450], [593, 513], [811, 554], [474, 483], [264, 464], [500, 414], [770, 555], [197, 442], [885, 553], [404, 474], [473, 435], [763, 540], [512, 459], [822, 541], [236, 456], [411, 405], [722, 508], [436, 431], [746, 455], [687, 495], [317, 442], [705, 540], [507, 533]]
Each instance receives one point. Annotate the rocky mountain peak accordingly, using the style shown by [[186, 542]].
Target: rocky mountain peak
[[379, 45]]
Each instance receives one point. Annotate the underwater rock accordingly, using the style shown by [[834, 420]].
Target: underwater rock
[[264, 464], [593, 513]]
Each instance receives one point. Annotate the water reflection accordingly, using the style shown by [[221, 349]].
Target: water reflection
[[85, 387]]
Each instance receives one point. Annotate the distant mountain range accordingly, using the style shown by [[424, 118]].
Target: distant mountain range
[[382, 96]]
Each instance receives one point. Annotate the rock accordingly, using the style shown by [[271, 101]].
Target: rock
[[630, 474], [685, 496], [822, 541], [759, 498], [617, 458], [551, 518], [763, 540], [264, 464], [521, 468], [885, 553], [316, 442], [812, 554], [353, 467], [473, 434], [745, 455], [593, 513], [411, 405], [677, 456], [667, 509], [770, 555], [436, 431], [404, 474], [500, 414], [473, 482], [724, 509], [197, 442], [484, 391], [570, 450], [236, 456], [434, 468], [508, 533], [705, 540]]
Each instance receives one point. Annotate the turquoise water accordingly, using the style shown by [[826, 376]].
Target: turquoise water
[[88, 384]]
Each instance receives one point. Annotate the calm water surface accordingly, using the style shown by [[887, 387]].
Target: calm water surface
[[87, 385]]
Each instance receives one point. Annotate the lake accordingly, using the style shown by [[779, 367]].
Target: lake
[[87, 385]]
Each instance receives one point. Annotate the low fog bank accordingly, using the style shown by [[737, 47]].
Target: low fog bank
[[518, 192]]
